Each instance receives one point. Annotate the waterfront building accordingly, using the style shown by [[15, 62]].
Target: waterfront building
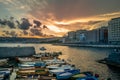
[[71, 38], [103, 34], [81, 36], [114, 31], [99, 35], [72, 35], [92, 36]]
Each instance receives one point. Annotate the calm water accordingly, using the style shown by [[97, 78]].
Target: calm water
[[83, 58]]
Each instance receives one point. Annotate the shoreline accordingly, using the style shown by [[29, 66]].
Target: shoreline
[[90, 45]]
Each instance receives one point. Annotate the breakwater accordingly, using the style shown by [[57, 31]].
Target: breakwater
[[6, 52]]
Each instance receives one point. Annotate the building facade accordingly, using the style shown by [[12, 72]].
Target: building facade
[[103, 34], [81, 36], [72, 35], [114, 31], [92, 36]]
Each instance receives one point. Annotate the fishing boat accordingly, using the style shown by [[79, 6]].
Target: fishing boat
[[26, 59], [67, 74], [5, 73], [42, 48], [32, 72], [3, 62], [61, 67], [85, 76], [35, 64], [55, 61], [2, 75]]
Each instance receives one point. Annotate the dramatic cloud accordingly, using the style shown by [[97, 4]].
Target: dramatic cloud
[[25, 32], [60, 16], [38, 23], [44, 26], [36, 32], [3, 22], [25, 25], [9, 23], [10, 33]]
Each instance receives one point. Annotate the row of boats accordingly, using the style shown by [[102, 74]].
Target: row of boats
[[45, 66]]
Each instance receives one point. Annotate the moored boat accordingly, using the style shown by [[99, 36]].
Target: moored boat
[[67, 74], [55, 61], [85, 76], [42, 48], [3, 62]]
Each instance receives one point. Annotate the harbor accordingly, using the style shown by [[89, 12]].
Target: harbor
[[77, 56], [42, 66]]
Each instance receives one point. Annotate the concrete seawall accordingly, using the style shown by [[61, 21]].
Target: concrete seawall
[[6, 52], [91, 45]]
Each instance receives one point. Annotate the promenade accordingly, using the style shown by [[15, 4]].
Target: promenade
[[90, 45]]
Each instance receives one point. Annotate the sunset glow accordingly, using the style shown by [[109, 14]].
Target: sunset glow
[[58, 16]]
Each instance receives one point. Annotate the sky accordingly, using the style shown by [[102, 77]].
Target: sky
[[44, 18]]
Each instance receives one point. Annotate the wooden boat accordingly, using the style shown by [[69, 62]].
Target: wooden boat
[[32, 72], [67, 74], [34, 63], [2, 75], [47, 54], [25, 65], [35, 78], [84, 76], [47, 78], [55, 61], [5, 73], [42, 48], [32, 68], [58, 69], [25, 59], [3, 62]]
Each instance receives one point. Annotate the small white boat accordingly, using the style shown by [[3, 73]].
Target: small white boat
[[60, 67], [25, 59], [67, 74], [25, 65], [54, 61], [42, 48]]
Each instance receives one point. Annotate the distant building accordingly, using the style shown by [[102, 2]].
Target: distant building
[[71, 38], [92, 36], [81, 36], [72, 35], [103, 34], [99, 35], [114, 31]]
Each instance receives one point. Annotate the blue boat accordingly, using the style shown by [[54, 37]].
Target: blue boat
[[32, 64], [40, 64], [67, 74], [5, 73], [85, 76]]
